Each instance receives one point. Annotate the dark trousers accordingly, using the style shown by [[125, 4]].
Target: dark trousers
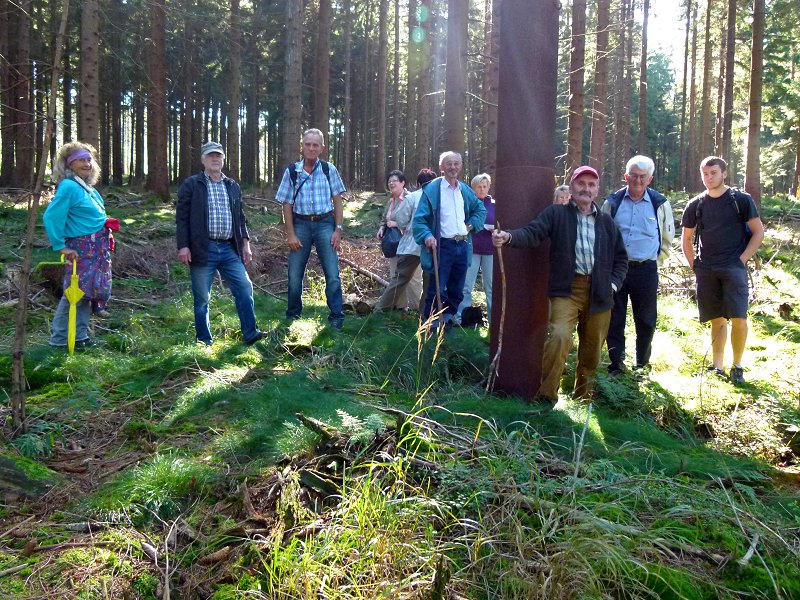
[[641, 284], [453, 262]]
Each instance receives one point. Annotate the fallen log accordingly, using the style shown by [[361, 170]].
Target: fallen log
[[361, 270]]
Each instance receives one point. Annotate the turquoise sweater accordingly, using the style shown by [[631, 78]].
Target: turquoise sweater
[[73, 212]]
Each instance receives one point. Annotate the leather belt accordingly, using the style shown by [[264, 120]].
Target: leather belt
[[219, 241], [583, 277], [457, 238], [637, 263], [313, 217]]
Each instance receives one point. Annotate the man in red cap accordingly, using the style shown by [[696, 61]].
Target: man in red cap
[[588, 264]]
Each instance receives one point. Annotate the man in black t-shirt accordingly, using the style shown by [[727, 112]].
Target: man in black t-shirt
[[729, 231]]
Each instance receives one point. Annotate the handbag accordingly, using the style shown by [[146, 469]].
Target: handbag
[[390, 241]]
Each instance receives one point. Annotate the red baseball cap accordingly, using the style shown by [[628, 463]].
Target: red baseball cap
[[583, 170]]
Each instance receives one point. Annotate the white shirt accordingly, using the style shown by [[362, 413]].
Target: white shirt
[[451, 210]]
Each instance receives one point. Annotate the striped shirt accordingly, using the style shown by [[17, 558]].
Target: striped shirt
[[316, 194], [220, 220], [584, 245]]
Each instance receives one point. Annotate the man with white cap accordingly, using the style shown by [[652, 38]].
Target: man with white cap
[[588, 264], [212, 236]]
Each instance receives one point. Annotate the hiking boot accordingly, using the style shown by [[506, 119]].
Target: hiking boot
[[260, 335], [541, 404], [712, 370], [90, 343], [737, 375], [615, 370]]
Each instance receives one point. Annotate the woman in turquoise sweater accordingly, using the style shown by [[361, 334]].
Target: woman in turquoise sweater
[[77, 225]]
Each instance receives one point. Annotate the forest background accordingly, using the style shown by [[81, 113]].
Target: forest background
[[372, 463], [393, 84]]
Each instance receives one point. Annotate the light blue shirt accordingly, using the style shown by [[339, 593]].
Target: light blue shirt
[[316, 195], [639, 228], [75, 211]]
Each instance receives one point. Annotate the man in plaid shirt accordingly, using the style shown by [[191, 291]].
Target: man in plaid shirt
[[311, 193], [212, 236]]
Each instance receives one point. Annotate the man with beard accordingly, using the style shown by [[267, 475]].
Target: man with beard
[[588, 264]]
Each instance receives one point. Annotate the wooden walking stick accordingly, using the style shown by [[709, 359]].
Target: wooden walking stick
[[494, 365]]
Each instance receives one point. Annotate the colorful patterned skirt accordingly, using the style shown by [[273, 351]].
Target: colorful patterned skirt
[[94, 266]]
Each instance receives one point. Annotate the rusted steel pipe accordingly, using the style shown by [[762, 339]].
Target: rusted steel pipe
[[524, 182]]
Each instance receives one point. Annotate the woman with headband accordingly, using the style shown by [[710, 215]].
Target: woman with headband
[[77, 225]]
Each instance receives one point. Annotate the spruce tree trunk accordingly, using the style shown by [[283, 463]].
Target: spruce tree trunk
[[706, 133], [185, 155], [683, 145], [23, 91], [599, 104], [693, 163], [293, 76], [425, 102], [397, 112], [322, 69], [455, 95], [642, 144], [89, 92], [66, 91], [752, 178], [7, 23], [380, 101], [576, 72], [347, 117], [157, 173], [413, 57], [234, 91], [730, 65], [491, 69], [720, 89]]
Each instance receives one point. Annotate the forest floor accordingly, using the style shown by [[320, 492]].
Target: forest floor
[[371, 463]]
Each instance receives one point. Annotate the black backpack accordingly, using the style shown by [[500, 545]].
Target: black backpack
[[739, 200], [326, 168]]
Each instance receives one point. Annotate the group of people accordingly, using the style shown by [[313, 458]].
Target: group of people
[[600, 256], [446, 227]]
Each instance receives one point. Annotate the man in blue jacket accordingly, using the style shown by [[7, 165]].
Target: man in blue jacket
[[644, 218], [587, 265], [447, 214], [212, 236]]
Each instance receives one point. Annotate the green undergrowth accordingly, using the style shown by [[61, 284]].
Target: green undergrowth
[[672, 485]]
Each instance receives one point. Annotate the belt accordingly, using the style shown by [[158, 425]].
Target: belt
[[583, 277], [221, 241], [456, 238], [313, 217], [637, 263]]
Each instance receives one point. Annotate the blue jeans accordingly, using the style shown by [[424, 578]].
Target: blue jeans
[[58, 333], [485, 264], [223, 258], [641, 285], [319, 234], [453, 257]]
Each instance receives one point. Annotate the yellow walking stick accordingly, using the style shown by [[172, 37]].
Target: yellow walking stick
[[73, 294]]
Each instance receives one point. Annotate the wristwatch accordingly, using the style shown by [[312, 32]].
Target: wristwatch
[[339, 227]]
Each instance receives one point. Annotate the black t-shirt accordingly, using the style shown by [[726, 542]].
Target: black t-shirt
[[722, 226]]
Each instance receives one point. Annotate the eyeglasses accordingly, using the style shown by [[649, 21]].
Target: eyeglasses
[[641, 177], [394, 181]]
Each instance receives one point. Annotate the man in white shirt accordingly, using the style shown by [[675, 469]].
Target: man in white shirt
[[448, 212]]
